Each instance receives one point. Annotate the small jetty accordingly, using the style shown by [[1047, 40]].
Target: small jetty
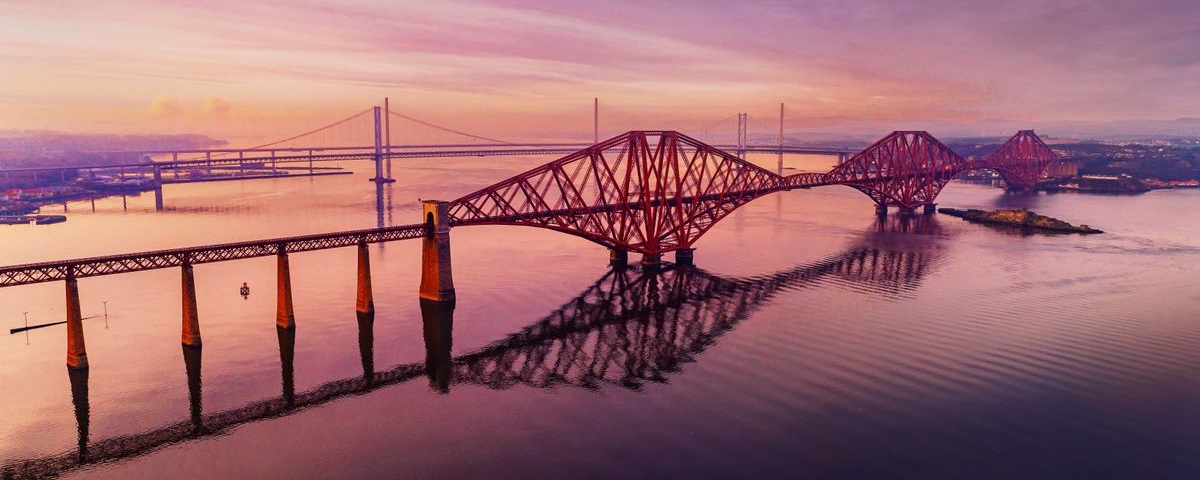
[[35, 219], [1020, 218]]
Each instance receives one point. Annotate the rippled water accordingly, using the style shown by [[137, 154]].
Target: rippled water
[[810, 341]]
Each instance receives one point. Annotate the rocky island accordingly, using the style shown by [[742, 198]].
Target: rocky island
[[1018, 218]]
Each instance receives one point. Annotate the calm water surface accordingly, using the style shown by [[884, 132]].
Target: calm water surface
[[811, 341]]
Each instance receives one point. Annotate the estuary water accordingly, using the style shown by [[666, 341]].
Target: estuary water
[[812, 340]]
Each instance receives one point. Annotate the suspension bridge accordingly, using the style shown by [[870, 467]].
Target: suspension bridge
[[381, 135]]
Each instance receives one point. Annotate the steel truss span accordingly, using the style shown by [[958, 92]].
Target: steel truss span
[[657, 191], [135, 262], [644, 191]]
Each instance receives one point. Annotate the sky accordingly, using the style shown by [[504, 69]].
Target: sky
[[526, 68]]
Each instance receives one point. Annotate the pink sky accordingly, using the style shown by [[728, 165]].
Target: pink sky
[[512, 68]]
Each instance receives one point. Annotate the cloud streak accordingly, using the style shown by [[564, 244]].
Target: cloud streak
[[487, 60]]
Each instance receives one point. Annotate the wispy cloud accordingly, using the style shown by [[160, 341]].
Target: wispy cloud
[[504, 59]]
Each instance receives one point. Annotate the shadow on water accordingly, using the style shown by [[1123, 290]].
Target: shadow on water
[[79, 398], [632, 327], [437, 319], [628, 328], [1018, 199], [191, 362], [366, 344], [287, 352]]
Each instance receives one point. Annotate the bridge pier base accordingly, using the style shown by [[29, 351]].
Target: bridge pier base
[[76, 351], [437, 281], [880, 210], [285, 316], [191, 319], [618, 258], [907, 211], [683, 257], [437, 319], [365, 303], [158, 195], [930, 208], [651, 260]]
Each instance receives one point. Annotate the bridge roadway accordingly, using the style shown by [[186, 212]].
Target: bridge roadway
[[680, 187], [367, 153], [31, 273], [328, 154], [135, 262]]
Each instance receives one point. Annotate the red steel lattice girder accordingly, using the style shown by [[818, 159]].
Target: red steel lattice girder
[[650, 192], [904, 169], [644, 191], [1022, 160]]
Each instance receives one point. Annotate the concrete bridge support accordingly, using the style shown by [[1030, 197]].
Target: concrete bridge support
[[651, 261], [437, 281], [930, 208], [880, 210], [191, 319], [285, 317], [683, 257], [76, 351], [365, 305], [908, 211], [618, 258], [158, 193]]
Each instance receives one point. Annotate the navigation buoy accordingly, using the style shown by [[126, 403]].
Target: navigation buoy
[[245, 290]]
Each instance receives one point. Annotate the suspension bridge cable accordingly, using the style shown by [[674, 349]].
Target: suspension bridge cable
[[465, 134], [310, 132]]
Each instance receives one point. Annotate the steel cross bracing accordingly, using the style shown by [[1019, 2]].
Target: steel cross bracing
[[134, 262], [1022, 159], [904, 169], [648, 192], [658, 191]]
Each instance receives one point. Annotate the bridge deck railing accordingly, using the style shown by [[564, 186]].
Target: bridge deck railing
[[132, 262]]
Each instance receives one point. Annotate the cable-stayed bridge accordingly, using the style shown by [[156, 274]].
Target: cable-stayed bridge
[[381, 135]]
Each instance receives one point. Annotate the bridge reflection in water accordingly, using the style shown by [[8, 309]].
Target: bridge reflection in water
[[630, 327]]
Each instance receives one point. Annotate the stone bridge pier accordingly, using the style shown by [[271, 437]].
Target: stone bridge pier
[[437, 281]]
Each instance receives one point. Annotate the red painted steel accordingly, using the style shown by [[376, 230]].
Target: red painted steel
[[646, 191], [136, 262], [904, 169], [1022, 160], [658, 191], [649, 192]]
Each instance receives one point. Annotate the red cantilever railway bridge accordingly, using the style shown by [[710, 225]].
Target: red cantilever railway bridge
[[649, 192], [655, 192]]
